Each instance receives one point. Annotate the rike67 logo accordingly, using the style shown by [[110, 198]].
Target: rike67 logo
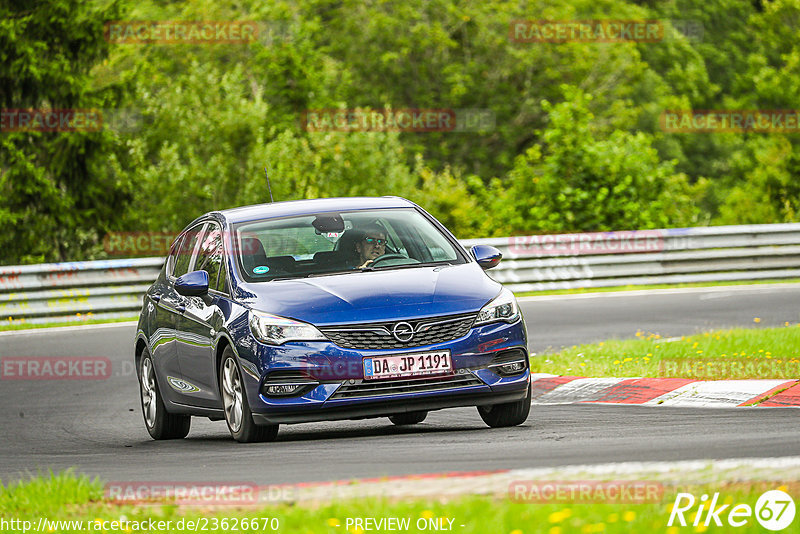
[[774, 511]]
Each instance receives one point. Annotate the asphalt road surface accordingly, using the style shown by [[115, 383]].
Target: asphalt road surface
[[96, 425], [564, 320]]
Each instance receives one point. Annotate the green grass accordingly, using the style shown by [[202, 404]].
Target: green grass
[[22, 325], [738, 353], [66, 497], [580, 290]]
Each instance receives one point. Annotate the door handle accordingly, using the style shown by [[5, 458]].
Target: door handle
[[155, 298], [181, 308]]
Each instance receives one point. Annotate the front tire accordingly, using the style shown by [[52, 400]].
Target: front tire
[[408, 418], [159, 422], [507, 414], [237, 409]]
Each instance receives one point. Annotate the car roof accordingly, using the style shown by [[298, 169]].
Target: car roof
[[308, 207]]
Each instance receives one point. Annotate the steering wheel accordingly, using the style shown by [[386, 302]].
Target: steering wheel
[[387, 257]]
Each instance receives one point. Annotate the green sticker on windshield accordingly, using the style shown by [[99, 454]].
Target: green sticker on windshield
[[261, 269]]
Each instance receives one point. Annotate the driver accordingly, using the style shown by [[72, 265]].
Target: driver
[[371, 246]]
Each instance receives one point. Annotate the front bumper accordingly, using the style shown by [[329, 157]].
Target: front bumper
[[342, 392], [384, 407]]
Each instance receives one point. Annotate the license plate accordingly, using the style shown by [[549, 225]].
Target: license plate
[[401, 365]]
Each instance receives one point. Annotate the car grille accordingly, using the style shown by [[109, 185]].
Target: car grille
[[376, 336], [376, 388]]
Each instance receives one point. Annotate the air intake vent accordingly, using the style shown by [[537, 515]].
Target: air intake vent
[[375, 388]]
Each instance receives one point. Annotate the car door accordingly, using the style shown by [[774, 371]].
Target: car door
[[201, 320], [171, 307], [161, 309]]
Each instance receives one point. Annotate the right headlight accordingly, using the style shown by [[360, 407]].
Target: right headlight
[[502, 308], [277, 330]]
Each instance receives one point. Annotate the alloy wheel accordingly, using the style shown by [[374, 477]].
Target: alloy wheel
[[149, 393], [232, 394]]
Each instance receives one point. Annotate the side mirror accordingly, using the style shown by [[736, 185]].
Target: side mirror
[[486, 256], [193, 284]]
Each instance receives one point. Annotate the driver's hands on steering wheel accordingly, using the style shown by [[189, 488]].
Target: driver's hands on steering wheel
[[388, 256]]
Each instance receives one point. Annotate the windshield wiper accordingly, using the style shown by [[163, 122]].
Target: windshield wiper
[[346, 271], [365, 270], [294, 277], [410, 265], [314, 275]]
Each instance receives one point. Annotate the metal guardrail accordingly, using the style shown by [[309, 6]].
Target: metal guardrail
[[669, 256], [75, 291], [114, 288]]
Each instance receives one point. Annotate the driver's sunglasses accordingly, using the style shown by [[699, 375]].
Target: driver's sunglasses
[[376, 241]]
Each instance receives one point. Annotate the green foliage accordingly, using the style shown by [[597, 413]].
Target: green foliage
[[770, 192], [576, 143], [581, 181], [56, 189], [456, 200], [193, 143]]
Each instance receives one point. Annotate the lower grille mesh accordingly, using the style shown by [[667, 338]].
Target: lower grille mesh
[[376, 388]]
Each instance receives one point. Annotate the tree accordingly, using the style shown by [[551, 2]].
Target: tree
[[579, 181], [57, 190]]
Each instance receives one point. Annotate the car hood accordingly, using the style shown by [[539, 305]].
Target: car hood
[[374, 296]]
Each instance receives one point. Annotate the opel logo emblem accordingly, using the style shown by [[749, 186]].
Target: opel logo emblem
[[403, 332]]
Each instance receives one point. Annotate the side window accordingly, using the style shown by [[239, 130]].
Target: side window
[[209, 258], [187, 245], [437, 246], [173, 254], [394, 239], [222, 283]]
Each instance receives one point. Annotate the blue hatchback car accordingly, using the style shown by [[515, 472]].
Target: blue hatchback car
[[316, 310]]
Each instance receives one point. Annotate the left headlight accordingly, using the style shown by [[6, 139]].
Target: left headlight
[[502, 308], [277, 330]]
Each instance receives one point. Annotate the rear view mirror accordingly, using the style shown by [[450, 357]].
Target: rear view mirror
[[328, 223]]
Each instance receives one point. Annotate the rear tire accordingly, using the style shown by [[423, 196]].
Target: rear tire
[[507, 414], [408, 418], [159, 422], [237, 410]]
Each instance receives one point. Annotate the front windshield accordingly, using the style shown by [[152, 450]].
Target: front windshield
[[327, 243]]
